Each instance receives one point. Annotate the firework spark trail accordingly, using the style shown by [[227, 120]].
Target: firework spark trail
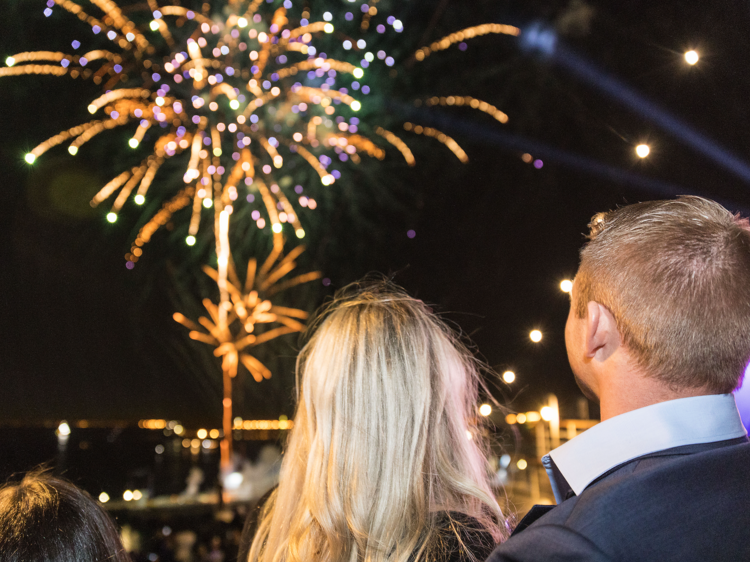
[[231, 326], [239, 92]]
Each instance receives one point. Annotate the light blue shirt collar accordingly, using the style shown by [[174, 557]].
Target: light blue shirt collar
[[686, 421]]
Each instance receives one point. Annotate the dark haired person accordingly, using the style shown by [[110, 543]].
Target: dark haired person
[[47, 519], [659, 334]]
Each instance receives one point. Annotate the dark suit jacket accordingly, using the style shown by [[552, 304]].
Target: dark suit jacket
[[687, 504]]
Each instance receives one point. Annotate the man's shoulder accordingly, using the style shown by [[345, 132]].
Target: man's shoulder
[[664, 506]]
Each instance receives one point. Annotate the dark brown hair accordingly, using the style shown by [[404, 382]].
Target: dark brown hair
[[675, 275], [48, 519]]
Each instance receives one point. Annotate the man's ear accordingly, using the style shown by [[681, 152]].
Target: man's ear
[[602, 335]]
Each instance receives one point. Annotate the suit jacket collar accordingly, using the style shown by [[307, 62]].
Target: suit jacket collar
[[686, 421]]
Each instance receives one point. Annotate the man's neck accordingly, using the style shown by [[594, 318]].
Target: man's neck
[[626, 394]]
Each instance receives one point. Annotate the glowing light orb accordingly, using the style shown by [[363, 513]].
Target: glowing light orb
[[234, 104], [111, 217], [190, 240], [547, 413], [300, 233], [642, 150], [535, 336], [509, 377], [533, 417], [276, 227], [154, 25], [73, 150], [566, 285], [356, 106], [691, 57], [127, 495], [233, 480], [10, 61], [30, 158], [485, 410], [133, 143], [137, 494], [328, 28], [139, 199], [63, 429], [358, 73], [104, 497], [202, 434], [522, 464]]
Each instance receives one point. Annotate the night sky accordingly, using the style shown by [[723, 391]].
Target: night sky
[[83, 337]]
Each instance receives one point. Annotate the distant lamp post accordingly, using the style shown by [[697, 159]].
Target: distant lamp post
[[63, 435], [63, 431], [551, 414]]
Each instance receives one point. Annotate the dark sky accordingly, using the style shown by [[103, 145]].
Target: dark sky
[[82, 337]]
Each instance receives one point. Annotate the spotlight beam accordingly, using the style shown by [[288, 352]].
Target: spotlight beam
[[509, 141], [543, 41]]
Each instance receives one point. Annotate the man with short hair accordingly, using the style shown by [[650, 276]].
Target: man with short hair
[[659, 334]]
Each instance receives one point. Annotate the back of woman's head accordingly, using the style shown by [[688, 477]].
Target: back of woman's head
[[385, 436], [47, 519]]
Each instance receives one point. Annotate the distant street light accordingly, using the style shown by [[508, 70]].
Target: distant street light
[[642, 150], [536, 336], [63, 430], [509, 376], [691, 57]]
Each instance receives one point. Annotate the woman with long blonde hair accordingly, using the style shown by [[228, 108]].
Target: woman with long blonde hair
[[385, 461]]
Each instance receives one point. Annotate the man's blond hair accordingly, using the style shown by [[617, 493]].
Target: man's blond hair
[[675, 275]]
